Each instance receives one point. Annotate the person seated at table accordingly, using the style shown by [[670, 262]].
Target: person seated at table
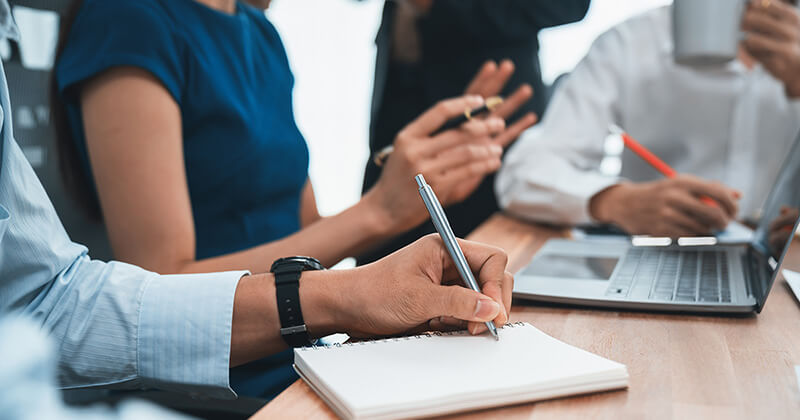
[[119, 326], [184, 136], [726, 129]]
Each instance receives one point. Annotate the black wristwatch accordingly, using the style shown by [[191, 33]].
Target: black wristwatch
[[287, 290]]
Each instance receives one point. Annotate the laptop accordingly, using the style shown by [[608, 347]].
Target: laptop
[[666, 276]]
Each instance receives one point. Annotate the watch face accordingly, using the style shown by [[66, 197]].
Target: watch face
[[298, 263]]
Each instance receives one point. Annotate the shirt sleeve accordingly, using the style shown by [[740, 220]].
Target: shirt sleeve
[[27, 377], [496, 22], [552, 171], [115, 325], [107, 34]]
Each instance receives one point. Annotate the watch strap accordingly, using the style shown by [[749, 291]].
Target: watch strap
[[287, 290]]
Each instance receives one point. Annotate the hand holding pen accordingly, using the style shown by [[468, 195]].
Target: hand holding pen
[[449, 160], [487, 83], [449, 240], [676, 206]]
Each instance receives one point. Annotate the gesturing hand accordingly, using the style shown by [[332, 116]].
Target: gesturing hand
[[772, 30], [490, 81], [447, 160], [671, 207], [418, 288]]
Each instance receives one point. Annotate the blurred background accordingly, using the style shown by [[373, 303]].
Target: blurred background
[[331, 51]]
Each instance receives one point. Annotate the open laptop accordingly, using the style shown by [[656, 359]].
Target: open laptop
[[709, 278]]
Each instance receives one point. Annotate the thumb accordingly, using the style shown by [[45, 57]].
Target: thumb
[[464, 304]]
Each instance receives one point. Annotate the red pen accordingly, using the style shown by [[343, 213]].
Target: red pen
[[651, 158]]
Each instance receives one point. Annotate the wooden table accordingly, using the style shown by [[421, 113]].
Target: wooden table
[[680, 366]]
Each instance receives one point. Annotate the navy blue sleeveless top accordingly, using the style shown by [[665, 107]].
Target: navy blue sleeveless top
[[246, 161]]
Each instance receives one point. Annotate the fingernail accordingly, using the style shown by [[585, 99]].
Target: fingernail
[[486, 309], [496, 149]]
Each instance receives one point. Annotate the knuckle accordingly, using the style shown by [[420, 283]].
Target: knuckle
[[446, 107]]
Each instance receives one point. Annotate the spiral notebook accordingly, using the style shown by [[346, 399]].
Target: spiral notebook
[[434, 374]]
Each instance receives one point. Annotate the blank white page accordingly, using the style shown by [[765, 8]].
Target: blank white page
[[450, 369]]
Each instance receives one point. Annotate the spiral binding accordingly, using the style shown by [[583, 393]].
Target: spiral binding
[[403, 338]]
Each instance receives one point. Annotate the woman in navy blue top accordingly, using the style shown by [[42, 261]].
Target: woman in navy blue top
[[181, 135]]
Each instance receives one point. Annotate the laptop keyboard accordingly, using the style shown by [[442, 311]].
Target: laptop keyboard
[[673, 275]]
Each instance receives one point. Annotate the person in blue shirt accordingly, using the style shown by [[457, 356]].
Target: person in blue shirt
[[176, 125], [115, 325]]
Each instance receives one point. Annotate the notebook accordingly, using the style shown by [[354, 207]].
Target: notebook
[[440, 373]]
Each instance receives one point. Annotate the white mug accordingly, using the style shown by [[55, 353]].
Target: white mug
[[706, 32]]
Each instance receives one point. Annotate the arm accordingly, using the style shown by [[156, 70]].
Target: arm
[[552, 171], [135, 149], [308, 206], [119, 326], [454, 22]]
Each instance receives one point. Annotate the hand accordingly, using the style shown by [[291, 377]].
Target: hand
[[418, 289], [671, 207], [489, 82], [772, 29], [447, 160], [782, 228]]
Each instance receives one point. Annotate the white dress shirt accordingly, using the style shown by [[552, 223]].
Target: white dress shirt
[[728, 123], [114, 324]]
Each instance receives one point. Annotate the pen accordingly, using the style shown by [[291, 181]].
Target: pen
[[489, 105], [651, 158], [449, 239]]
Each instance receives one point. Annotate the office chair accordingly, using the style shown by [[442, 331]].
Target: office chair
[[34, 131]]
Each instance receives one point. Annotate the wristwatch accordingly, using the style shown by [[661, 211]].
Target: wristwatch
[[287, 273]]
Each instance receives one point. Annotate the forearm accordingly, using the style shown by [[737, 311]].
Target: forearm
[[329, 240], [256, 325]]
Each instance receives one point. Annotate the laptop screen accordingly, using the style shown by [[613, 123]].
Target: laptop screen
[[777, 225]]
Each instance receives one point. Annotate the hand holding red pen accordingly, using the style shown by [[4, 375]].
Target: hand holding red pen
[[680, 205]]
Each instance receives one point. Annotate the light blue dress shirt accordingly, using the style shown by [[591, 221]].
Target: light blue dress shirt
[[27, 381], [115, 325]]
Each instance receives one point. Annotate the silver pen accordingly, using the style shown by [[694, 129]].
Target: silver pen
[[450, 243]]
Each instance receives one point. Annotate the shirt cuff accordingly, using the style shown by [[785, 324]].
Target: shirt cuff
[[185, 333]]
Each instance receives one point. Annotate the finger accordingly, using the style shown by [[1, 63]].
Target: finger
[[437, 324], [762, 23], [474, 131], [510, 105], [489, 264], [494, 85], [723, 195], [667, 229], [776, 9], [708, 217], [461, 303], [436, 116], [762, 44], [685, 223], [468, 172], [508, 289], [462, 155], [514, 130], [486, 71]]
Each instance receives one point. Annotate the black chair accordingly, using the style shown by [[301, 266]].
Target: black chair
[[29, 90], [34, 131]]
